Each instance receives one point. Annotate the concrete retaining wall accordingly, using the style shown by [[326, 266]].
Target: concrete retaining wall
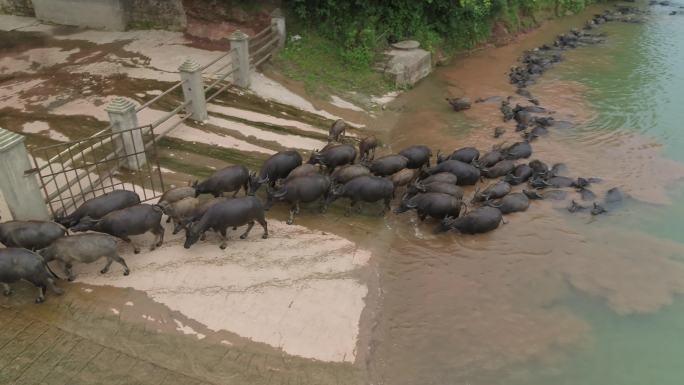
[[5, 213], [17, 7], [100, 14], [167, 14], [115, 15]]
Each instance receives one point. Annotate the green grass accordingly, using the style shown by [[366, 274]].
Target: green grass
[[319, 63]]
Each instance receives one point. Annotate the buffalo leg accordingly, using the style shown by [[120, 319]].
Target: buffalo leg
[[116, 257], [224, 238], [41, 294], [264, 224], [236, 192], [67, 270], [246, 187], [106, 268], [386, 207], [136, 249], [159, 239], [350, 208], [249, 228], [7, 290], [293, 210]]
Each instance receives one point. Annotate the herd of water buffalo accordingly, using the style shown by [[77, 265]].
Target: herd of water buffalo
[[338, 171]]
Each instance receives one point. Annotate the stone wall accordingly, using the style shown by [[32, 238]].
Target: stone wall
[[17, 7], [166, 14], [99, 14]]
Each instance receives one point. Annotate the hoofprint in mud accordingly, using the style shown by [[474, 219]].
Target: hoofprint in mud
[[297, 290]]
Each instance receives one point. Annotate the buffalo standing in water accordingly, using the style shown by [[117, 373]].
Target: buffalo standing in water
[[494, 191], [434, 205], [334, 156], [481, 220], [366, 188], [502, 168], [466, 174], [520, 174], [278, 166], [303, 189], [465, 155], [511, 203], [435, 187], [443, 177]]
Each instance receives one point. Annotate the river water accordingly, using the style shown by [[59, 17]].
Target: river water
[[551, 297]]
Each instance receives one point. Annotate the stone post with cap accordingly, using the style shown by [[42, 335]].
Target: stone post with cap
[[239, 41], [278, 23], [20, 192], [193, 90], [129, 143]]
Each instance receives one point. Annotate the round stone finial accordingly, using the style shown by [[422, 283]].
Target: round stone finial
[[406, 45], [238, 35], [189, 65], [120, 104]]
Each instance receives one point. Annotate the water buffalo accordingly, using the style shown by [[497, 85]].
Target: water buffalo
[[339, 128], [480, 220], [557, 195], [539, 168], [586, 194], [560, 182], [84, 248], [511, 203], [518, 150], [181, 212], [22, 264], [489, 159], [614, 196], [507, 110], [367, 148], [388, 165], [498, 132], [432, 204], [334, 156], [228, 213], [403, 177], [520, 174], [576, 207], [278, 166], [437, 187], [502, 168], [134, 220], [459, 104], [558, 169], [174, 195], [444, 177], [346, 173], [465, 155], [418, 156], [229, 179], [365, 188], [493, 191], [598, 209], [100, 206], [305, 169], [466, 174], [303, 189], [32, 235]]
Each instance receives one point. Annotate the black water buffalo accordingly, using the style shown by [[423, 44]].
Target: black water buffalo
[[557, 195], [444, 177], [418, 156], [560, 182], [466, 174], [521, 173], [134, 220], [489, 159], [465, 155], [181, 212], [459, 104], [539, 168], [367, 148], [303, 189], [586, 194], [614, 196], [511, 203], [305, 169], [339, 128], [432, 204], [493, 191], [598, 209], [388, 165], [84, 248], [334, 156], [228, 213], [22, 264], [100, 206], [278, 166], [480, 220], [502, 168], [436, 187], [518, 150], [346, 173], [229, 179], [365, 188], [32, 235]]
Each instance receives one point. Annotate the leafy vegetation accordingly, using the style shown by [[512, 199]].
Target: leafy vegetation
[[340, 39]]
